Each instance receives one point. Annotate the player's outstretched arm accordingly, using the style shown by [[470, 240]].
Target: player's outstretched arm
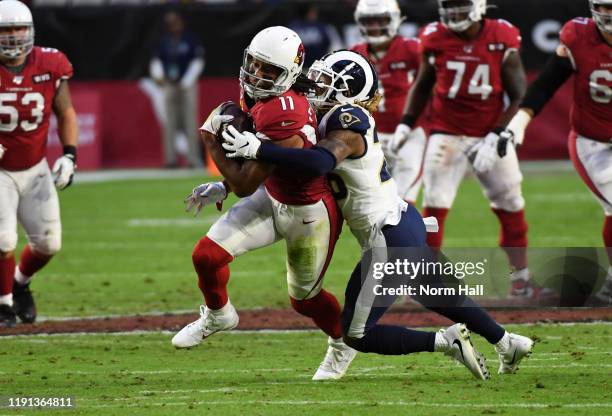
[[415, 103], [316, 161], [68, 131], [515, 84], [557, 70]]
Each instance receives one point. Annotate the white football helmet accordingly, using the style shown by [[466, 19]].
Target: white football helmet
[[14, 13], [368, 11], [281, 52], [603, 20], [458, 15], [342, 77]]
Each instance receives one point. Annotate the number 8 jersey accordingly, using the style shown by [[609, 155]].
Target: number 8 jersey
[[591, 57], [468, 95], [26, 101]]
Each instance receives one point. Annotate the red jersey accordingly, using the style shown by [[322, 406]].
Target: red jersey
[[591, 56], [279, 118], [26, 101], [468, 96], [396, 72]]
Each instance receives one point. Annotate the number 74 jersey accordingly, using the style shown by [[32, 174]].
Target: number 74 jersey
[[26, 101], [469, 94]]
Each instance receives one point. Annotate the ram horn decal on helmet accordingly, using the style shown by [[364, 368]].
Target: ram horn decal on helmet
[[344, 77]]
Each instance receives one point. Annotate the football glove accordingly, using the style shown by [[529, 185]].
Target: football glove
[[63, 170], [400, 137], [2, 151], [215, 120], [514, 132], [485, 153], [206, 194], [244, 144]]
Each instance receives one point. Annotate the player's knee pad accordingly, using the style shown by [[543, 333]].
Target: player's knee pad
[[8, 241], [433, 197], [511, 200], [47, 245], [209, 255]]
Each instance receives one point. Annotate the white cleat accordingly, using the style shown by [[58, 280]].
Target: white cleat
[[336, 361], [461, 349], [519, 347], [210, 321]]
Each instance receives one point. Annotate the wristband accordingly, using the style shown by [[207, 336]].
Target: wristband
[[71, 151], [408, 120]]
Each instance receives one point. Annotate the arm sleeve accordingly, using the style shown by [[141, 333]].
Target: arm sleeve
[[557, 70], [315, 161]]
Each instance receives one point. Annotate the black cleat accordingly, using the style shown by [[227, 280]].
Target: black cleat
[[7, 317], [23, 302]]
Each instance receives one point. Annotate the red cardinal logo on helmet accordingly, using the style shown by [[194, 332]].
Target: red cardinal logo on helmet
[[300, 55]]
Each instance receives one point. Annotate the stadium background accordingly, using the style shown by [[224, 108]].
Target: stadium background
[[110, 45], [126, 258]]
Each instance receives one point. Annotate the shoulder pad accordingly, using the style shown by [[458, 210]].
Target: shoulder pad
[[348, 117]]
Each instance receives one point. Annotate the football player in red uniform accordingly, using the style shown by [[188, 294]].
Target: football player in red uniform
[[469, 62], [396, 59], [585, 52], [292, 206], [33, 82]]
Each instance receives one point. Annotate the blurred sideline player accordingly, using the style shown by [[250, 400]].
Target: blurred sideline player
[[396, 60], [299, 209], [470, 61], [33, 81], [346, 85], [585, 52]]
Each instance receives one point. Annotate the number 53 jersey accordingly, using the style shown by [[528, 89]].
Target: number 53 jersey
[[26, 101], [468, 95], [591, 57]]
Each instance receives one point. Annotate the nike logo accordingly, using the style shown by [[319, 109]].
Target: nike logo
[[307, 222], [286, 123], [456, 341], [343, 110], [513, 358], [244, 145]]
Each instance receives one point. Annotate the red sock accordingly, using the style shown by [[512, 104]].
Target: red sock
[[434, 240], [30, 262], [211, 263], [324, 310], [607, 236], [513, 235], [7, 272]]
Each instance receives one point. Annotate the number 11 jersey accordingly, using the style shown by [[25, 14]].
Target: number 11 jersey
[[26, 101]]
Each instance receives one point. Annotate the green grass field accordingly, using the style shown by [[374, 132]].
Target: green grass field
[[127, 245], [269, 373], [127, 250]]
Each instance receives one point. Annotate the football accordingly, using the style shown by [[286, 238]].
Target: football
[[242, 121]]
